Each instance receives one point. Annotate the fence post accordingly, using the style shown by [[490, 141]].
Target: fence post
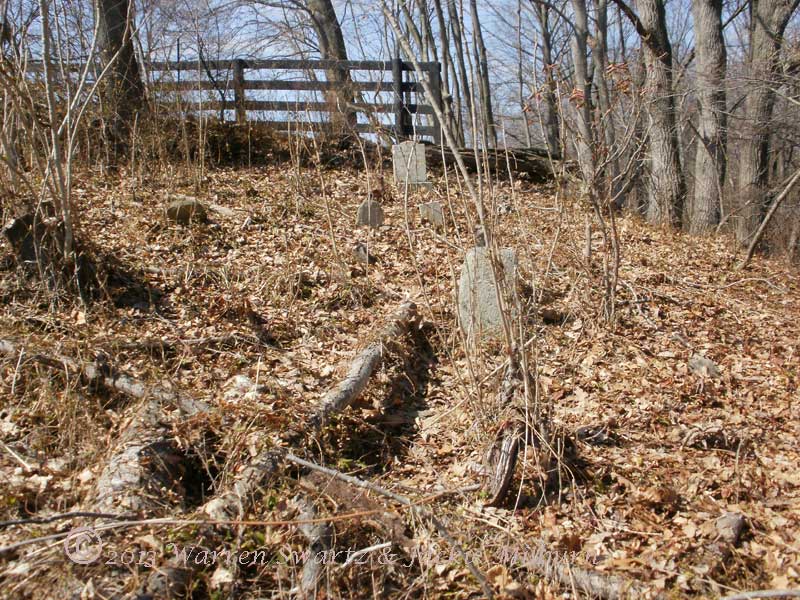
[[399, 108], [238, 90], [435, 82]]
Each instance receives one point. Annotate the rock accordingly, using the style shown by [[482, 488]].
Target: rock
[[704, 367], [432, 212], [478, 310], [370, 213], [240, 387], [730, 527], [362, 254], [185, 209]]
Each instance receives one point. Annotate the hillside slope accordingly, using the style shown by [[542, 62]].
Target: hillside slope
[[270, 289]]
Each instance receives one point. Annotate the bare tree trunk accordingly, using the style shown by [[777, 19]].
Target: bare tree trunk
[[448, 91], [332, 47], [125, 90], [458, 43], [551, 129], [484, 84], [768, 21], [521, 78], [703, 211], [585, 139], [605, 119], [431, 52], [667, 189]]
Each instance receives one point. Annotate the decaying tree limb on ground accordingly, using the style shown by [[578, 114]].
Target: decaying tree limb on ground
[[319, 537], [105, 374], [231, 502], [344, 393], [145, 462], [532, 161], [421, 512], [554, 568], [501, 457]]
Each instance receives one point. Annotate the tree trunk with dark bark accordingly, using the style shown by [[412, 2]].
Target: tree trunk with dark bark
[[458, 44], [124, 92], [484, 83], [332, 47], [667, 188], [550, 126], [768, 21], [584, 142]]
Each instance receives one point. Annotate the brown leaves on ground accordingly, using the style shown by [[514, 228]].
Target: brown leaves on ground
[[270, 289]]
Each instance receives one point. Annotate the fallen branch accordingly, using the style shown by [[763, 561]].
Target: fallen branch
[[319, 540], [166, 344], [145, 463], [344, 393], [231, 503], [554, 568], [421, 512], [103, 373]]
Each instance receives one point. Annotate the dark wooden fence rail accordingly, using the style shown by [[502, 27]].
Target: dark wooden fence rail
[[235, 80]]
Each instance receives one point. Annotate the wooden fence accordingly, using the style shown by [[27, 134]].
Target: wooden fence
[[223, 77]]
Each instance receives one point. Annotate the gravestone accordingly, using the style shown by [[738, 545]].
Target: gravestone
[[478, 309], [363, 254], [432, 212], [185, 209], [409, 165], [370, 213]]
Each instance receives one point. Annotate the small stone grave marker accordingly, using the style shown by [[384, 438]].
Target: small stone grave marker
[[409, 165], [185, 209], [432, 212], [478, 309], [370, 213]]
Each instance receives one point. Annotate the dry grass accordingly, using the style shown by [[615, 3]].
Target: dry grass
[[266, 278]]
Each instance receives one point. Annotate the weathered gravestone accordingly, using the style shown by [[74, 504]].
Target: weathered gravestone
[[409, 165], [370, 213], [35, 239], [478, 309], [432, 212], [186, 209]]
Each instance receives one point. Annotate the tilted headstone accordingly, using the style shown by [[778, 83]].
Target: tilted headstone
[[478, 309], [432, 212], [409, 165], [370, 213]]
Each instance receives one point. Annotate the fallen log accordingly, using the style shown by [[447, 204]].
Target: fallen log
[[534, 162], [319, 537], [105, 374], [145, 464], [555, 569], [232, 502]]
